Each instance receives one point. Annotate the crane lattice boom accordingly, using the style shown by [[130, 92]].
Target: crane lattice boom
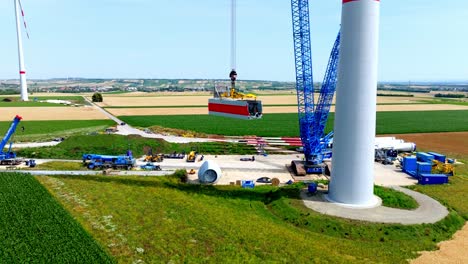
[[312, 118]]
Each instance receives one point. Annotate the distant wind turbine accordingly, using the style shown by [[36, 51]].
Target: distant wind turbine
[[22, 70]]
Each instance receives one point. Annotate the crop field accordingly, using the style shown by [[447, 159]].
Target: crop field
[[268, 109], [52, 113], [287, 125], [75, 146], [454, 144], [163, 220], [202, 100], [35, 130], [35, 228], [28, 104], [136, 104], [35, 101]]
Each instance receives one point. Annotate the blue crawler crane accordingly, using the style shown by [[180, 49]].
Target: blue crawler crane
[[8, 158], [312, 117]]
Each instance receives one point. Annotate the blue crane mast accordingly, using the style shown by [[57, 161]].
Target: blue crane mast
[[5, 156], [312, 118]]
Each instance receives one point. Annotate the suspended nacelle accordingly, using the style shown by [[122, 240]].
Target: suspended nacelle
[[209, 172], [242, 109]]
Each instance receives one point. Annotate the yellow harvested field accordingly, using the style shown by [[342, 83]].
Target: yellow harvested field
[[153, 99], [158, 111], [273, 109], [51, 113], [157, 94]]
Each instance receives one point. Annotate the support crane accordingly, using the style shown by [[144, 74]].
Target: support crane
[[312, 118], [8, 157]]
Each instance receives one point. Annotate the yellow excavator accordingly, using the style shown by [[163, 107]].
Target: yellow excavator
[[192, 156], [154, 158], [441, 167]]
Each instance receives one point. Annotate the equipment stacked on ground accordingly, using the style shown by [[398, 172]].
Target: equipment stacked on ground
[[428, 168]]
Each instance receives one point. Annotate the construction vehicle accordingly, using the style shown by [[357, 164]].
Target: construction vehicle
[[9, 157], [174, 155], [30, 163], [192, 156], [312, 118], [386, 155], [97, 161], [443, 167], [154, 158], [150, 157], [232, 103], [150, 166]]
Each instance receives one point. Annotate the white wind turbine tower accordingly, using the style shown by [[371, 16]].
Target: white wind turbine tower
[[22, 70]]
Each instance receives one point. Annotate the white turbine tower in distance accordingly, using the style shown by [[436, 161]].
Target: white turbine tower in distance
[[22, 70]]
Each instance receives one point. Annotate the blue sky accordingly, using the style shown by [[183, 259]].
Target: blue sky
[[420, 40]]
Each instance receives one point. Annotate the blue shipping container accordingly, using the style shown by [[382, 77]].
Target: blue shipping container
[[248, 184], [409, 164], [437, 156], [424, 167], [424, 157], [412, 174], [432, 179]]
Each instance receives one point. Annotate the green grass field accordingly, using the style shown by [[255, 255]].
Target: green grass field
[[395, 199], [35, 228], [287, 124], [204, 106], [60, 165], [162, 220], [446, 101], [29, 104], [34, 101], [453, 194], [75, 146], [46, 130]]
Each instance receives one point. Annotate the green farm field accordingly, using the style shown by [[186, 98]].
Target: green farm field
[[75, 146], [46, 130], [276, 125], [28, 104], [35, 228], [34, 101], [163, 220]]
